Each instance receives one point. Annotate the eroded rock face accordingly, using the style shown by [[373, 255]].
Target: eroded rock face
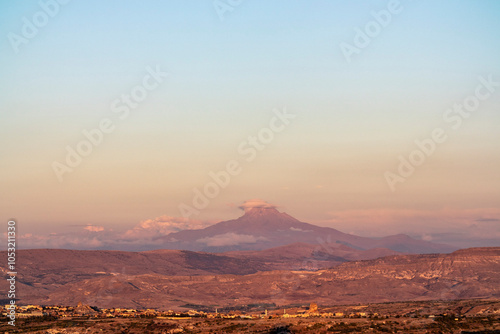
[[469, 273]]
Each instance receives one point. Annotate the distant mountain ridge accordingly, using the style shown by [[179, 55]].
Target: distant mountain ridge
[[38, 266], [464, 274], [43, 271], [263, 228]]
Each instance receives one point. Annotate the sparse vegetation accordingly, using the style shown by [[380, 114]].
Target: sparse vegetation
[[404, 317]]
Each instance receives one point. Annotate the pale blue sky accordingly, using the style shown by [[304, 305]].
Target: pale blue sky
[[225, 77]]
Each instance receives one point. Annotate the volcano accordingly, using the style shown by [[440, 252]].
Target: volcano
[[265, 227]]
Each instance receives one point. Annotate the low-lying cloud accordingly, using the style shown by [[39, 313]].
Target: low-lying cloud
[[161, 226], [83, 239], [296, 229], [145, 235], [230, 239]]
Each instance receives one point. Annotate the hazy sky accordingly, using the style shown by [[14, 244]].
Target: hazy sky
[[311, 105]]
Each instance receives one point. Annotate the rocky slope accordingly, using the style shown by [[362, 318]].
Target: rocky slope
[[470, 273]]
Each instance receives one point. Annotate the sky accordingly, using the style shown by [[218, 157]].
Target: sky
[[372, 117]]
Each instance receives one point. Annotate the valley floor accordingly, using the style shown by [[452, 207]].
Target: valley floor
[[275, 325], [464, 316]]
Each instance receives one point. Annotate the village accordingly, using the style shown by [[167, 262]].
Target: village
[[400, 317], [310, 311], [81, 310]]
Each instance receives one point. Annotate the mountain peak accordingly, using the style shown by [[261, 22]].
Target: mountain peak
[[263, 226], [267, 219]]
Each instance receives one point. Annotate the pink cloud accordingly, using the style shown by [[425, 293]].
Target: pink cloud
[[256, 203], [94, 228], [146, 235], [161, 226]]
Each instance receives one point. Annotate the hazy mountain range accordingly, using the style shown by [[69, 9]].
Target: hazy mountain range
[[262, 257], [265, 227], [169, 279]]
